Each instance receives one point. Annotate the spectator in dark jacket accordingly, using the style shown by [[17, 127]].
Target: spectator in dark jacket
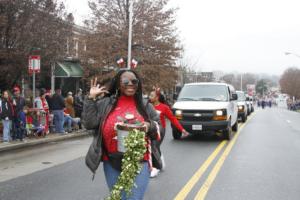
[[18, 103], [58, 105], [48, 98], [6, 115], [18, 100]]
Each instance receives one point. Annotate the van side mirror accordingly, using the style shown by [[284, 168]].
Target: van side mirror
[[234, 97], [175, 96]]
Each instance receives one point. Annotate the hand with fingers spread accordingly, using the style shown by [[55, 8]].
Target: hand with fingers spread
[[96, 90]]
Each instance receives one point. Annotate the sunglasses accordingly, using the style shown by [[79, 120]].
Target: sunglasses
[[127, 81]]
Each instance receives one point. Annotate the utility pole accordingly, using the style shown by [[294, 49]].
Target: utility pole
[[33, 88], [52, 77], [129, 32], [23, 86], [263, 88], [34, 67], [241, 82]]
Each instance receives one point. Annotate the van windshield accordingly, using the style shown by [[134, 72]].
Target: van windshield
[[203, 93], [241, 96]]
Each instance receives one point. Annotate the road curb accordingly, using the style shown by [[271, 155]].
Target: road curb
[[34, 142]]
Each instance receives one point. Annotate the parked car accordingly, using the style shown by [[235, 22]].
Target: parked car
[[207, 107], [250, 104], [243, 107]]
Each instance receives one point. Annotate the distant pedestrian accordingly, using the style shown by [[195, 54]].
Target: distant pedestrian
[[42, 105], [18, 103], [58, 106], [7, 114], [78, 103], [263, 103], [48, 98], [18, 100], [69, 103], [37, 126], [21, 124]]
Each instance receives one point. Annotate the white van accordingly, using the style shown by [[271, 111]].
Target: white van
[[243, 107], [207, 107]]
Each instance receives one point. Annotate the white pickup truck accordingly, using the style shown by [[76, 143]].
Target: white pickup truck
[[207, 107]]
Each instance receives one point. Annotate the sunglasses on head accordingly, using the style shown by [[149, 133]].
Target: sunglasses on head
[[127, 81]]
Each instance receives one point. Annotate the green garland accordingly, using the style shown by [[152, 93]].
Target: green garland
[[131, 164]]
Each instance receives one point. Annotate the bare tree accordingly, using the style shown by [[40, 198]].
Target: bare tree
[[155, 43], [27, 24], [290, 82]]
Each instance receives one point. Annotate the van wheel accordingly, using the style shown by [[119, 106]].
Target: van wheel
[[227, 133], [235, 127], [176, 134]]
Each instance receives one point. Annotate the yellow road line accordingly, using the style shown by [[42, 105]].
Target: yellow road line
[[211, 177], [190, 184]]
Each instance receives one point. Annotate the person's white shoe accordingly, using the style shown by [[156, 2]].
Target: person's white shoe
[[163, 162], [154, 172]]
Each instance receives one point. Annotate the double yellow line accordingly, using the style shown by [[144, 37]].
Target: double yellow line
[[211, 177]]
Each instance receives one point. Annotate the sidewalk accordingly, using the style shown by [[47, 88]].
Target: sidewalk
[[52, 137]]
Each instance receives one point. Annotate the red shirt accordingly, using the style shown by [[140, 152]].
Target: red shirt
[[165, 112], [124, 105]]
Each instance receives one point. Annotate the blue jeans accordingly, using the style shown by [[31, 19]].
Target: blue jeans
[[59, 121], [6, 130], [20, 132], [141, 181], [70, 121]]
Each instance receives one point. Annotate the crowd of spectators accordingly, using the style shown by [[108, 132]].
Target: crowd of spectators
[[48, 114], [293, 105]]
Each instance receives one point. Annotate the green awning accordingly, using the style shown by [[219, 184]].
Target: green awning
[[66, 69]]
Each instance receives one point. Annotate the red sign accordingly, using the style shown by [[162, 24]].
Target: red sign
[[34, 64], [250, 89]]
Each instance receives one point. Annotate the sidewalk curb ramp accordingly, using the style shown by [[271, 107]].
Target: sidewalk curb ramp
[[38, 141]]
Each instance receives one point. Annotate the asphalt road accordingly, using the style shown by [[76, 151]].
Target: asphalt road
[[261, 162]]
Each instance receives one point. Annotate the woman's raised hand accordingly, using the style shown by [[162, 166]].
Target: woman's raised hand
[[96, 89]]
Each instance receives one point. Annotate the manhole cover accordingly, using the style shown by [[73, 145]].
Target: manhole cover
[[46, 163]]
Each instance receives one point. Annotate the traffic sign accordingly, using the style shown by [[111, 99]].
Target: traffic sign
[[34, 64]]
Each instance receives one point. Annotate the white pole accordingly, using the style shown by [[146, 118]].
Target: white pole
[[241, 82], [129, 35], [52, 78], [33, 87]]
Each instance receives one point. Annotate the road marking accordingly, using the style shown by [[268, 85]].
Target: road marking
[[190, 184], [211, 177]]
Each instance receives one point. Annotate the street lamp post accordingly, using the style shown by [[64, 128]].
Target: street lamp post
[[52, 77], [241, 82], [290, 53], [129, 34]]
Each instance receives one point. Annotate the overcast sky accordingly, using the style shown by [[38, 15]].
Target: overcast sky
[[233, 35]]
